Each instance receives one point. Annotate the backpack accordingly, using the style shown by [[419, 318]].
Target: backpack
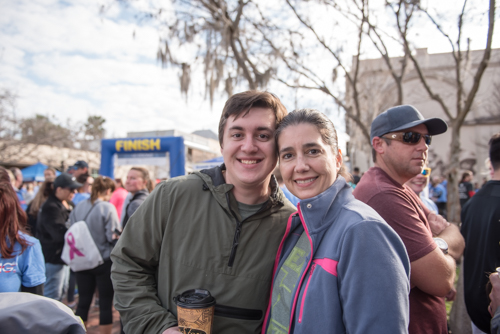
[[80, 251]]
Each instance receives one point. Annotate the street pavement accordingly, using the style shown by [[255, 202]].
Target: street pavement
[[93, 319]]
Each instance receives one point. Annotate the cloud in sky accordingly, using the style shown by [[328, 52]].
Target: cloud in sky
[[64, 59]]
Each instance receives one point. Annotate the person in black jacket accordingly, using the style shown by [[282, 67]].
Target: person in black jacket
[[51, 227], [481, 229]]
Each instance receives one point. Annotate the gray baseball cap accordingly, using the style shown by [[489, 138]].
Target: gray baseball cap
[[404, 117]]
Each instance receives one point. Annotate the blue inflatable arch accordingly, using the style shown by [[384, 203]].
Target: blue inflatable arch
[[173, 145]]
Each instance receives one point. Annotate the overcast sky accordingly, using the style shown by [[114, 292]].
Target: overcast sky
[[65, 60]]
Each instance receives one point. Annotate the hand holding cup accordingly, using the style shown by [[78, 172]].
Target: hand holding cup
[[495, 292]]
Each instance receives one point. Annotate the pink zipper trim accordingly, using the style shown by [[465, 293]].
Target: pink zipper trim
[[329, 265], [276, 262], [294, 304], [305, 292]]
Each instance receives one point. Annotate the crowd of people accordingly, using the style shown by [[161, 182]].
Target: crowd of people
[[314, 249], [33, 236]]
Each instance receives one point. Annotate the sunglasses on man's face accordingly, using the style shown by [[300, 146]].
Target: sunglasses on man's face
[[426, 172], [410, 138]]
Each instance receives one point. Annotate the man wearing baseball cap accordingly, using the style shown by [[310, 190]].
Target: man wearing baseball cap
[[400, 139], [79, 168]]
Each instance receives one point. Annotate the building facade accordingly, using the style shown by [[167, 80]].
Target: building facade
[[378, 92], [26, 154]]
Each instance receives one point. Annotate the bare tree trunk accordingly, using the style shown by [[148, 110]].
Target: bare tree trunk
[[460, 322], [459, 319], [453, 206]]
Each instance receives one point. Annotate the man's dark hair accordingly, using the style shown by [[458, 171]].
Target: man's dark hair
[[241, 103], [82, 178], [495, 151], [356, 169]]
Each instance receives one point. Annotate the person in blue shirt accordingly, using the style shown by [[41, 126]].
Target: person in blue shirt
[[84, 191], [22, 266], [438, 194]]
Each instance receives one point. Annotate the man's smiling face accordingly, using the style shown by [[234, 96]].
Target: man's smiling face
[[249, 148]]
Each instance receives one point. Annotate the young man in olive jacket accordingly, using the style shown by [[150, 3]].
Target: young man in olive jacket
[[218, 229]]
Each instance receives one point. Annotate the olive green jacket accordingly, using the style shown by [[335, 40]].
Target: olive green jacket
[[188, 235]]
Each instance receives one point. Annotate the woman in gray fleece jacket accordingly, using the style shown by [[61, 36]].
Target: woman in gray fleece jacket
[[102, 220]]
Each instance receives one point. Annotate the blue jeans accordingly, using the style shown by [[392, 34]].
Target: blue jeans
[[57, 278]]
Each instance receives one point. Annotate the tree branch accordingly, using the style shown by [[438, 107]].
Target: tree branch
[[482, 65]]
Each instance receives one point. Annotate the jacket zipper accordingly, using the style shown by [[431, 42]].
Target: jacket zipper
[[275, 268], [305, 292], [237, 233], [236, 241], [309, 265]]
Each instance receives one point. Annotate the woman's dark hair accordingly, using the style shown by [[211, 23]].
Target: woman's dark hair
[[82, 178], [49, 189], [101, 185], [39, 199], [466, 174], [145, 176], [324, 126], [12, 218]]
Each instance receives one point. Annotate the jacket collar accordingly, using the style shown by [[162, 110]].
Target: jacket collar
[[319, 211], [140, 192], [53, 198], [215, 182]]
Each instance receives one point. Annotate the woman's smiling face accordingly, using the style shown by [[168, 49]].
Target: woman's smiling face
[[307, 164]]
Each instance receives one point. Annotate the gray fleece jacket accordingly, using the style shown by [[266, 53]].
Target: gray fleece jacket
[[101, 221]]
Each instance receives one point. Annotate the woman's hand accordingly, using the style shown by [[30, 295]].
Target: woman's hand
[[494, 294], [172, 330]]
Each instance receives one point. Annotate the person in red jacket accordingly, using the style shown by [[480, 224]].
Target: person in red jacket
[[118, 197]]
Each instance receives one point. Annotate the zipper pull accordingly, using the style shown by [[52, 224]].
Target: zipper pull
[[236, 242]]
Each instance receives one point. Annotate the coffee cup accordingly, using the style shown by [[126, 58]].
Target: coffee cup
[[195, 311]]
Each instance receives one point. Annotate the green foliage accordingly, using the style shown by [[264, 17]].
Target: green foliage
[[94, 129], [46, 130], [42, 130]]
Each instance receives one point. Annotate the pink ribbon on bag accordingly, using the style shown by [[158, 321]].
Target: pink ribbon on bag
[[72, 246]]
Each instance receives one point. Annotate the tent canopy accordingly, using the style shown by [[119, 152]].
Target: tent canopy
[[35, 172]]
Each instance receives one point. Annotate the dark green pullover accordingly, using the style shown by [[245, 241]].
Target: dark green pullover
[[187, 235]]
